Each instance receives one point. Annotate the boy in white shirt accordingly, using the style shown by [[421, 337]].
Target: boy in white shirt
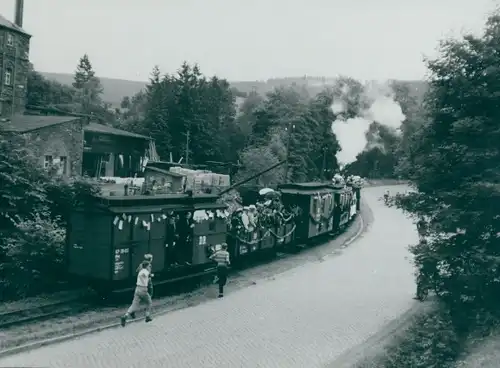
[[141, 294]]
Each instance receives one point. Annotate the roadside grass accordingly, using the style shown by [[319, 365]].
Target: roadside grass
[[429, 341]]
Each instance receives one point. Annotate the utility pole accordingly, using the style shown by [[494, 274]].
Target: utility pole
[[323, 172], [290, 130], [187, 147]]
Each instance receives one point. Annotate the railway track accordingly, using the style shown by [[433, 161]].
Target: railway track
[[24, 316]]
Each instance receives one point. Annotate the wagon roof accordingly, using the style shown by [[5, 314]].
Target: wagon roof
[[165, 208], [209, 206], [156, 200], [148, 209], [307, 188]]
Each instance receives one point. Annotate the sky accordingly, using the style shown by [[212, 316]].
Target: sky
[[245, 39]]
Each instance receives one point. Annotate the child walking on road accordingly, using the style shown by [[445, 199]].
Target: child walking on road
[[141, 294], [222, 259]]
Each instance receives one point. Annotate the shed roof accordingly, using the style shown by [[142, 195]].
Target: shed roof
[[104, 129], [4, 22], [28, 123]]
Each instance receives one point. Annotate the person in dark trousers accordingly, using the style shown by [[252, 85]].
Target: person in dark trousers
[[221, 257], [386, 196], [426, 275], [422, 229]]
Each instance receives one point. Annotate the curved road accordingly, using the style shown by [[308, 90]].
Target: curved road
[[306, 317]]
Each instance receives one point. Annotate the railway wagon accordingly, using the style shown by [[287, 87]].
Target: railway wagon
[[314, 210], [108, 239], [325, 209]]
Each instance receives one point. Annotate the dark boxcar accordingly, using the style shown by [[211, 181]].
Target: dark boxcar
[[317, 207], [108, 239]]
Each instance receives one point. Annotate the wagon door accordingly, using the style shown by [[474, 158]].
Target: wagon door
[[157, 240], [141, 226]]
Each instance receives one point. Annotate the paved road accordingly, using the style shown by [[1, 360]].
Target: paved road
[[305, 317]]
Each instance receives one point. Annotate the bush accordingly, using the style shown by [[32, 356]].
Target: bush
[[66, 194], [430, 342], [34, 257], [21, 179], [34, 210]]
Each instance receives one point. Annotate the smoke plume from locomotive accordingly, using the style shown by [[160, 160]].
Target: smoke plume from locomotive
[[351, 132]]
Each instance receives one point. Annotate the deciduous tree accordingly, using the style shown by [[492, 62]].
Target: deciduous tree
[[454, 166]]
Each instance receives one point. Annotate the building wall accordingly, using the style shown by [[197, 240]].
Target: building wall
[[15, 59], [60, 140]]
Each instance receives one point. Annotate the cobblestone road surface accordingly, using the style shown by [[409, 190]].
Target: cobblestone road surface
[[305, 317]]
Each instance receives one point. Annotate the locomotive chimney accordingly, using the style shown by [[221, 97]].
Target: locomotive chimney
[[19, 13]]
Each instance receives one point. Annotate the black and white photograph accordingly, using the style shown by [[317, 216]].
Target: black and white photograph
[[250, 184]]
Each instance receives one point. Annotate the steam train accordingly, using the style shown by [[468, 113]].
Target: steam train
[[109, 236]]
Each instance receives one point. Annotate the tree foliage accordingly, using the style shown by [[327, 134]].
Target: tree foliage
[[187, 110], [88, 87], [44, 92], [453, 161], [34, 210]]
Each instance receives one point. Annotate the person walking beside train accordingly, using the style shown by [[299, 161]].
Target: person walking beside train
[[141, 294], [221, 257]]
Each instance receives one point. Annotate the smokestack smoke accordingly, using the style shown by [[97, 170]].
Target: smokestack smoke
[[19, 13], [351, 132]]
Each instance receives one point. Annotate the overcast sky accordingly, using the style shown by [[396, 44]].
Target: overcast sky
[[245, 39]]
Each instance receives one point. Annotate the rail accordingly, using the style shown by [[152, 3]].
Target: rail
[[42, 312]]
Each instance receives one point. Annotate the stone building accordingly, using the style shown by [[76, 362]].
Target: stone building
[[53, 139], [78, 146], [14, 63]]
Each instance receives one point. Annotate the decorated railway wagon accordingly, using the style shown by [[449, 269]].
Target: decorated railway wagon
[[109, 238], [296, 214]]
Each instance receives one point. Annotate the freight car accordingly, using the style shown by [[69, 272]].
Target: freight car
[[108, 237]]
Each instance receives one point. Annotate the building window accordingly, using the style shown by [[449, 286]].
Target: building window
[[10, 39], [63, 165], [8, 77], [47, 162]]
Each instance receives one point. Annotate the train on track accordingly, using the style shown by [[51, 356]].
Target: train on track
[[109, 236]]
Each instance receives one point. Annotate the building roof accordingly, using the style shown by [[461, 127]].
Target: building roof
[[104, 129], [4, 22], [28, 123]]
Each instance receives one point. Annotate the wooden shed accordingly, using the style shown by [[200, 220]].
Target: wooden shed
[[165, 181]]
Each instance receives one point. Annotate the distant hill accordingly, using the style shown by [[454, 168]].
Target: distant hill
[[116, 89]]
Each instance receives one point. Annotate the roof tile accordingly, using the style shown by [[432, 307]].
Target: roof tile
[[4, 22]]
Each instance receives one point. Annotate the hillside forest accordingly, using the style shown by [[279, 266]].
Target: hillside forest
[[206, 119]]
